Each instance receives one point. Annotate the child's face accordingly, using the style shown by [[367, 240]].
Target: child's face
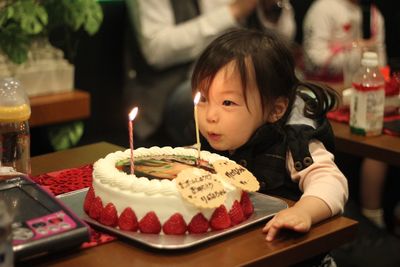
[[224, 118]]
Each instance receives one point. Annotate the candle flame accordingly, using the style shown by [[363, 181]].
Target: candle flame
[[133, 113], [197, 98]]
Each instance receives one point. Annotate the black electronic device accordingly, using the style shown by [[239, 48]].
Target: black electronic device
[[41, 223]]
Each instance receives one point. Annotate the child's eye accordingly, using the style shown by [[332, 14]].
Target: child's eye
[[203, 98], [228, 103]]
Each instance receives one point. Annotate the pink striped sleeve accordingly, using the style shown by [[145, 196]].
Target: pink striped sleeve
[[322, 179]]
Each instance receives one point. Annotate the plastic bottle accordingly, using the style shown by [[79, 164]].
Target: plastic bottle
[[368, 101], [14, 128], [6, 250]]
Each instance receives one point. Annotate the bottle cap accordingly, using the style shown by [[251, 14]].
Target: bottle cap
[[369, 59], [14, 103]]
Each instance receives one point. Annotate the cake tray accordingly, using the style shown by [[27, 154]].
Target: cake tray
[[264, 208]]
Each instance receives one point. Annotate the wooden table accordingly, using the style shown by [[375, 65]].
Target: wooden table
[[246, 247], [59, 107], [384, 147]]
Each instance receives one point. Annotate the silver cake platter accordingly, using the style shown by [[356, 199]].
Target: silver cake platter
[[264, 208]]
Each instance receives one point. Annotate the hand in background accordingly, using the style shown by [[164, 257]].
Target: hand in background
[[366, 43], [272, 9], [241, 9]]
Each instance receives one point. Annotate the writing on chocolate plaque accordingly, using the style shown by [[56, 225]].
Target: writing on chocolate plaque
[[236, 175], [201, 188]]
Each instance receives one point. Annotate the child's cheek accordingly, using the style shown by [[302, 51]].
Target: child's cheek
[[201, 118], [202, 128]]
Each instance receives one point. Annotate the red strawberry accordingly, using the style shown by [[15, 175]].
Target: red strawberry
[[247, 206], [108, 215], [236, 213], [175, 225], [150, 224], [220, 218], [127, 220], [88, 200], [96, 208], [198, 224]]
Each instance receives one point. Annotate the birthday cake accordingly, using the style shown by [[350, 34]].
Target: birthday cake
[[172, 191]]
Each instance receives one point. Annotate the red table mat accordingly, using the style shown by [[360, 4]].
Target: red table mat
[[64, 181], [343, 115]]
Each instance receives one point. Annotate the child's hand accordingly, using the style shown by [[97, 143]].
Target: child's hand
[[293, 218]]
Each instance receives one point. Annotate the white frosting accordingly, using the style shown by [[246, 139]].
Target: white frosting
[[144, 195]]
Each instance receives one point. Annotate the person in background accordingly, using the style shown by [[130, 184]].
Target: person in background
[[255, 111], [170, 35], [335, 34], [334, 37]]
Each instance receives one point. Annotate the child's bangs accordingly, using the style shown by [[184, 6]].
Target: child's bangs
[[204, 74], [205, 70]]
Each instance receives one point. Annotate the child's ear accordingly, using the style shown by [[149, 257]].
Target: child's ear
[[278, 109]]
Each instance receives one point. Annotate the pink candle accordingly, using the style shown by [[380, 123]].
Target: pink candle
[[132, 116]]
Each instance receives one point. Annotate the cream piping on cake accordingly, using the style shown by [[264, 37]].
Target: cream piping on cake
[[106, 173]]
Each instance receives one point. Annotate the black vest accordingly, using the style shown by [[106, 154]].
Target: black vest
[[265, 155]]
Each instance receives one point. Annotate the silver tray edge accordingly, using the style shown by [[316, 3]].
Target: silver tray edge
[[264, 208]]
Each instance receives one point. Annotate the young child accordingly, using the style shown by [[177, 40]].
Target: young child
[[254, 110]]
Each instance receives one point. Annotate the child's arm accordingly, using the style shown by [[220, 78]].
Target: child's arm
[[325, 193]]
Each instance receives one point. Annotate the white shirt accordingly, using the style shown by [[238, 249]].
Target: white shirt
[[165, 43], [330, 27]]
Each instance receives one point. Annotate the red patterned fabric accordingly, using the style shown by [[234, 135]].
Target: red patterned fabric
[[64, 181], [97, 238], [343, 115]]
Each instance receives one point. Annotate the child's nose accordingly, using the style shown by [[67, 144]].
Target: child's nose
[[212, 114]]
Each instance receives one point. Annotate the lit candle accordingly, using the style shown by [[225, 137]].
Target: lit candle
[[132, 116], [196, 101]]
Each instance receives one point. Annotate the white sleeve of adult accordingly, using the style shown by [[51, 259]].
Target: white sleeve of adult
[[165, 43]]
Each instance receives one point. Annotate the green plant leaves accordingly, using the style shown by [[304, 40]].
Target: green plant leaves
[[14, 43], [75, 14], [27, 15], [93, 18], [23, 20], [6, 14], [31, 17]]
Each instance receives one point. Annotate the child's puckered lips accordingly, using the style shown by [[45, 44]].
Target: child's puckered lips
[[213, 136]]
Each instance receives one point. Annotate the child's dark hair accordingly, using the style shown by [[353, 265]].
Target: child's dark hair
[[274, 69]]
